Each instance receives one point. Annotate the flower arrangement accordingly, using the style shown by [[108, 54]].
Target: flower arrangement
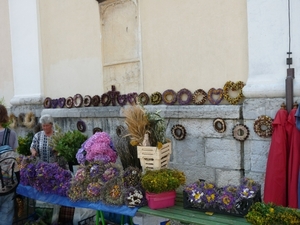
[[264, 214], [230, 199], [98, 147], [24, 144], [107, 182], [162, 180], [45, 177], [142, 123]]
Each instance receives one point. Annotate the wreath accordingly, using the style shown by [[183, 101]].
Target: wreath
[[156, 98], [186, 92], [69, 102], [240, 132], [219, 125], [143, 98], [87, 101], [122, 100], [166, 99], [54, 103], [178, 132], [131, 98], [97, 129], [96, 100], [61, 102], [120, 131], [13, 121], [197, 93], [77, 100], [263, 126], [105, 99], [47, 102], [81, 126], [29, 120], [229, 85], [212, 92], [21, 119]]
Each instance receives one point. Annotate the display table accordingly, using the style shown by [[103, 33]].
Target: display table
[[31, 192]]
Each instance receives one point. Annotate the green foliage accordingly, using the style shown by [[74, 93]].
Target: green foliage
[[162, 180], [67, 144], [265, 214], [157, 128], [24, 144]]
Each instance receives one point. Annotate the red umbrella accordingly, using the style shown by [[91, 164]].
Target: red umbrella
[[293, 160], [276, 172]]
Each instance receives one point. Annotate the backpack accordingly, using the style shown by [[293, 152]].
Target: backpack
[[8, 163]]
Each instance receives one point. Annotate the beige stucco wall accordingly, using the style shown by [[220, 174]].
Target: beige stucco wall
[[71, 47], [193, 44], [6, 77]]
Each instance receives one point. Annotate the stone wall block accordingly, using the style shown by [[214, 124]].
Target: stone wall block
[[226, 177], [223, 153]]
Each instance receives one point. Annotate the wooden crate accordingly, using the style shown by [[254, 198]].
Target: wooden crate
[[153, 158]]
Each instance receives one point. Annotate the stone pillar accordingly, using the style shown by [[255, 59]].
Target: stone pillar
[[26, 52]]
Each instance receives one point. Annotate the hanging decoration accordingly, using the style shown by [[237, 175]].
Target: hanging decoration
[[13, 121], [240, 132], [183, 92], [231, 86], [81, 126], [29, 120], [143, 98], [219, 125], [156, 98], [263, 126], [215, 92], [77, 100], [178, 132], [69, 102], [197, 94], [169, 97], [96, 100], [87, 101], [47, 102]]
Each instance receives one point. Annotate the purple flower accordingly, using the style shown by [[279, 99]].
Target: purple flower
[[98, 147]]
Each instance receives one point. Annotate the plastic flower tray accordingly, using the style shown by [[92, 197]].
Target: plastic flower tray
[[153, 158], [161, 200], [240, 211]]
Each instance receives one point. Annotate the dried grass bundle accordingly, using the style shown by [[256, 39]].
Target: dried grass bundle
[[136, 121]]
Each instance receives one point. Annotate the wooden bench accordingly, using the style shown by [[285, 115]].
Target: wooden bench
[[187, 216]]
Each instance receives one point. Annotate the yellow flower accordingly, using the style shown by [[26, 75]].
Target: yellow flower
[[134, 143], [159, 145]]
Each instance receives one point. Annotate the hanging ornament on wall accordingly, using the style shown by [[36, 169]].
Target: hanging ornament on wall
[[240, 132], [178, 132], [219, 125], [263, 126], [81, 126]]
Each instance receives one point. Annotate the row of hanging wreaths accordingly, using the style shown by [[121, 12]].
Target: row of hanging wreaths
[[168, 97], [262, 127], [23, 120]]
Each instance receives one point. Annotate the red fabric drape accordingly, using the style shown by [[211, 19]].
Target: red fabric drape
[[293, 160], [276, 172]]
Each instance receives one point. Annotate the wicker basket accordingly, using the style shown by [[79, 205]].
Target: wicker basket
[[153, 158]]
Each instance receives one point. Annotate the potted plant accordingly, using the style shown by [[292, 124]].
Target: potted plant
[[67, 144], [160, 186], [24, 144], [147, 131]]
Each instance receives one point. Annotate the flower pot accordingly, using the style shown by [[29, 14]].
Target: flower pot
[[153, 158], [161, 200]]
